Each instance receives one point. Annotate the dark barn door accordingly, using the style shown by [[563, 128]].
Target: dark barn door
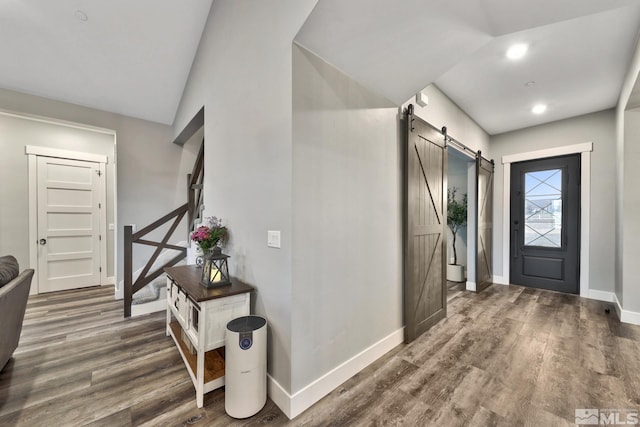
[[425, 296], [484, 240], [545, 223]]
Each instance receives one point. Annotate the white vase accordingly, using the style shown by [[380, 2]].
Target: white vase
[[455, 273]]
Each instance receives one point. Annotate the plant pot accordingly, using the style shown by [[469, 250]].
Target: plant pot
[[455, 273]]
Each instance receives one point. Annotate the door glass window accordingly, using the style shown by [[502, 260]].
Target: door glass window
[[543, 208]]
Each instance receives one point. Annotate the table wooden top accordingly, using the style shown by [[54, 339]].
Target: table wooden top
[[188, 278]]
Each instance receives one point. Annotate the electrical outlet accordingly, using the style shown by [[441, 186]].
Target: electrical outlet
[[273, 238]]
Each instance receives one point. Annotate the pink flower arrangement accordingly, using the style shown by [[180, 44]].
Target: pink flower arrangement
[[210, 235]]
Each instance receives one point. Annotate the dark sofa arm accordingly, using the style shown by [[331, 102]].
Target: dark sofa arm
[[13, 302]]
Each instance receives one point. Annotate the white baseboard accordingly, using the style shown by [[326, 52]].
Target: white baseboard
[[279, 395], [150, 307], [617, 306], [631, 317], [111, 280], [499, 280], [600, 295], [626, 316], [471, 286], [294, 405]]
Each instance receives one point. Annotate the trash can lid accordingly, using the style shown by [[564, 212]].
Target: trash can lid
[[246, 324]]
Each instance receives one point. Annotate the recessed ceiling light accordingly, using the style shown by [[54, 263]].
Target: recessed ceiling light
[[539, 109], [517, 51], [81, 15]]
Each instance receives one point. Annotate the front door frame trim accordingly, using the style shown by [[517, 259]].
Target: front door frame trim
[[584, 150], [33, 152]]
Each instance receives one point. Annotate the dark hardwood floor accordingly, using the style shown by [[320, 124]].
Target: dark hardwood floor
[[507, 356]]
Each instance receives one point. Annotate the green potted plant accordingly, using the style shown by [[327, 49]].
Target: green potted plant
[[456, 219]]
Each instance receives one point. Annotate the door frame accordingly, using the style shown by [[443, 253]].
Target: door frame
[[584, 150], [33, 152], [472, 213]]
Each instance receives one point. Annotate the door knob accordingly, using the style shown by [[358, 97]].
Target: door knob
[[43, 241]]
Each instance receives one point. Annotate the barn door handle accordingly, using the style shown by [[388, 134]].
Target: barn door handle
[[43, 241]]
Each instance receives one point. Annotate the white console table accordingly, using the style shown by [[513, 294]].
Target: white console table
[[196, 320]]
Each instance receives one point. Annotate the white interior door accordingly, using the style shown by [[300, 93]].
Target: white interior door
[[68, 223]]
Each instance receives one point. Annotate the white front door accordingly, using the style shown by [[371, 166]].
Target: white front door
[[68, 223]]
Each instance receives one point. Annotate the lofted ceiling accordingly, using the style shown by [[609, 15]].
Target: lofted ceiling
[[133, 58], [127, 57], [578, 55]]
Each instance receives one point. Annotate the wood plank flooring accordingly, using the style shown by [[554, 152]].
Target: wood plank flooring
[[507, 356]]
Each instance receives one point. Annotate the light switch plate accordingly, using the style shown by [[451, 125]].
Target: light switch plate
[[273, 238]]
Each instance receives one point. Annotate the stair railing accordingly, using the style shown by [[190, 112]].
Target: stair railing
[[194, 191], [192, 209]]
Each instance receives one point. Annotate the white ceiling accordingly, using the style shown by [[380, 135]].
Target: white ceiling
[[134, 57], [579, 51], [128, 57]]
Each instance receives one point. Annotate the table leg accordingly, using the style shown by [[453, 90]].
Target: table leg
[[200, 378], [168, 309]]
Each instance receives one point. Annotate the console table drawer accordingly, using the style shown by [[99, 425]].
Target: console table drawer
[[225, 311], [179, 304]]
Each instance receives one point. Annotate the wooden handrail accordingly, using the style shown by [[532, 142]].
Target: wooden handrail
[[160, 222], [157, 244]]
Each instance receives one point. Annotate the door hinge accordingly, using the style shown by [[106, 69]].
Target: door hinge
[[100, 269], [99, 205], [100, 237], [98, 172]]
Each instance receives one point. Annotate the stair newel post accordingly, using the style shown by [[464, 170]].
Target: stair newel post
[[128, 269]]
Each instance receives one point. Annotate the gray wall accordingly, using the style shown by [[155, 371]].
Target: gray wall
[[347, 223], [147, 163], [15, 134], [618, 288], [626, 138], [442, 111], [598, 128], [631, 210], [242, 75]]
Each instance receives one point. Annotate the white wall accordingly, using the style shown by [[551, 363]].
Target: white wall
[[347, 223], [242, 76], [147, 163], [598, 128]]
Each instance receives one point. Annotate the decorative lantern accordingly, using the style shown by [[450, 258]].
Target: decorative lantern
[[215, 271]]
